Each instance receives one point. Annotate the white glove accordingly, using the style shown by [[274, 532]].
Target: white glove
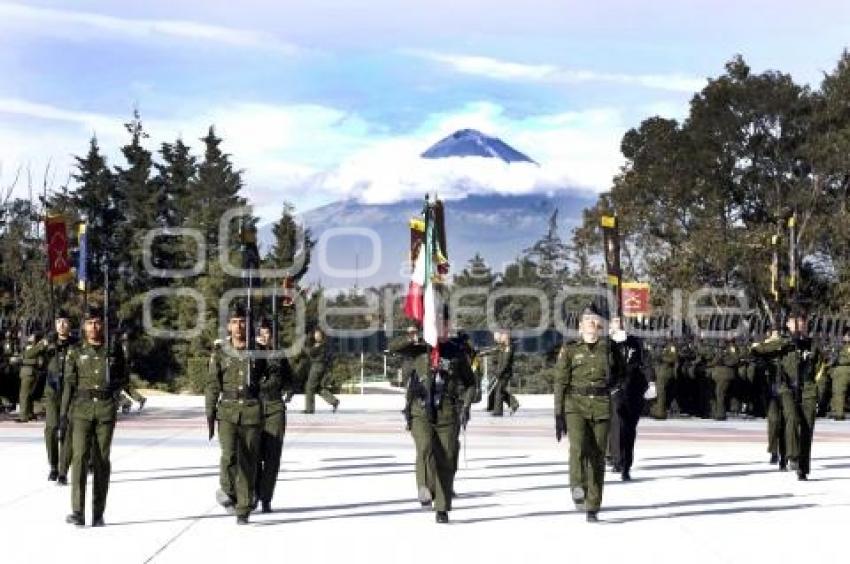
[[651, 393], [618, 335]]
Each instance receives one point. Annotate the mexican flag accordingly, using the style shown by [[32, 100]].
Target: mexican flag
[[424, 303], [414, 301]]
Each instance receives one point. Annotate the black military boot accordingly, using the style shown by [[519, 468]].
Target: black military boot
[[442, 517], [783, 464], [62, 480], [592, 517], [335, 406], [76, 519], [266, 507], [98, 521], [242, 520], [54, 474], [626, 476], [774, 458]]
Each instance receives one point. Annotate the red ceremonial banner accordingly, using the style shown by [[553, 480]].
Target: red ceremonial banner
[[635, 299], [59, 266]]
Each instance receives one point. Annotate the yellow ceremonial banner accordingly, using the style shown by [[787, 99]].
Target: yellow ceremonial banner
[[608, 221]]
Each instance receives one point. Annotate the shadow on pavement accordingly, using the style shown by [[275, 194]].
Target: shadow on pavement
[[494, 458], [727, 511], [345, 458], [386, 513]]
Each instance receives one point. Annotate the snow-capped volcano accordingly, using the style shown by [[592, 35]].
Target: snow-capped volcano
[[473, 143], [496, 206]]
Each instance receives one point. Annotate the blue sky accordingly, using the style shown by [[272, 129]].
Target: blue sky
[[328, 99]]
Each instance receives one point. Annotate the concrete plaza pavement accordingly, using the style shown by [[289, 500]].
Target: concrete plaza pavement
[[702, 492]]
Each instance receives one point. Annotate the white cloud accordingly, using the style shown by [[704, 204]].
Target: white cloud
[[574, 149], [86, 25], [489, 67], [311, 154], [497, 69]]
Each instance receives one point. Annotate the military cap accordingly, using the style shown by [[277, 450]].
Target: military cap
[[237, 310], [591, 309], [62, 313], [94, 312]]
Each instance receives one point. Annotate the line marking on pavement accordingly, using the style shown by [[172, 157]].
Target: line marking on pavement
[[180, 533]]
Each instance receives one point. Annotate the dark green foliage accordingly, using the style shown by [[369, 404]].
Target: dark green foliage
[[699, 201]]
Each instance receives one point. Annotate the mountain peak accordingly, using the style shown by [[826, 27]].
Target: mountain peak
[[473, 143]]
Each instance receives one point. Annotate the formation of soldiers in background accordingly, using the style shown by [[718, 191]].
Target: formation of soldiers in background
[[785, 376], [713, 377], [25, 382]]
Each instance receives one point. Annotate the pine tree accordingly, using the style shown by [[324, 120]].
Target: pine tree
[[98, 203], [478, 275], [139, 197], [551, 257], [211, 193], [291, 240], [172, 181]]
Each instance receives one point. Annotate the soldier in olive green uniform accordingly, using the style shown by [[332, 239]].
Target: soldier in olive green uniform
[[11, 361], [584, 374], [801, 363], [277, 378], [95, 372], [438, 395], [747, 383], [793, 361], [840, 376], [782, 426], [503, 371], [665, 375], [56, 348], [130, 389], [723, 371], [233, 399], [685, 377], [468, 395], [31, 360], [706, 352], [414, 358], [318, 355]]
